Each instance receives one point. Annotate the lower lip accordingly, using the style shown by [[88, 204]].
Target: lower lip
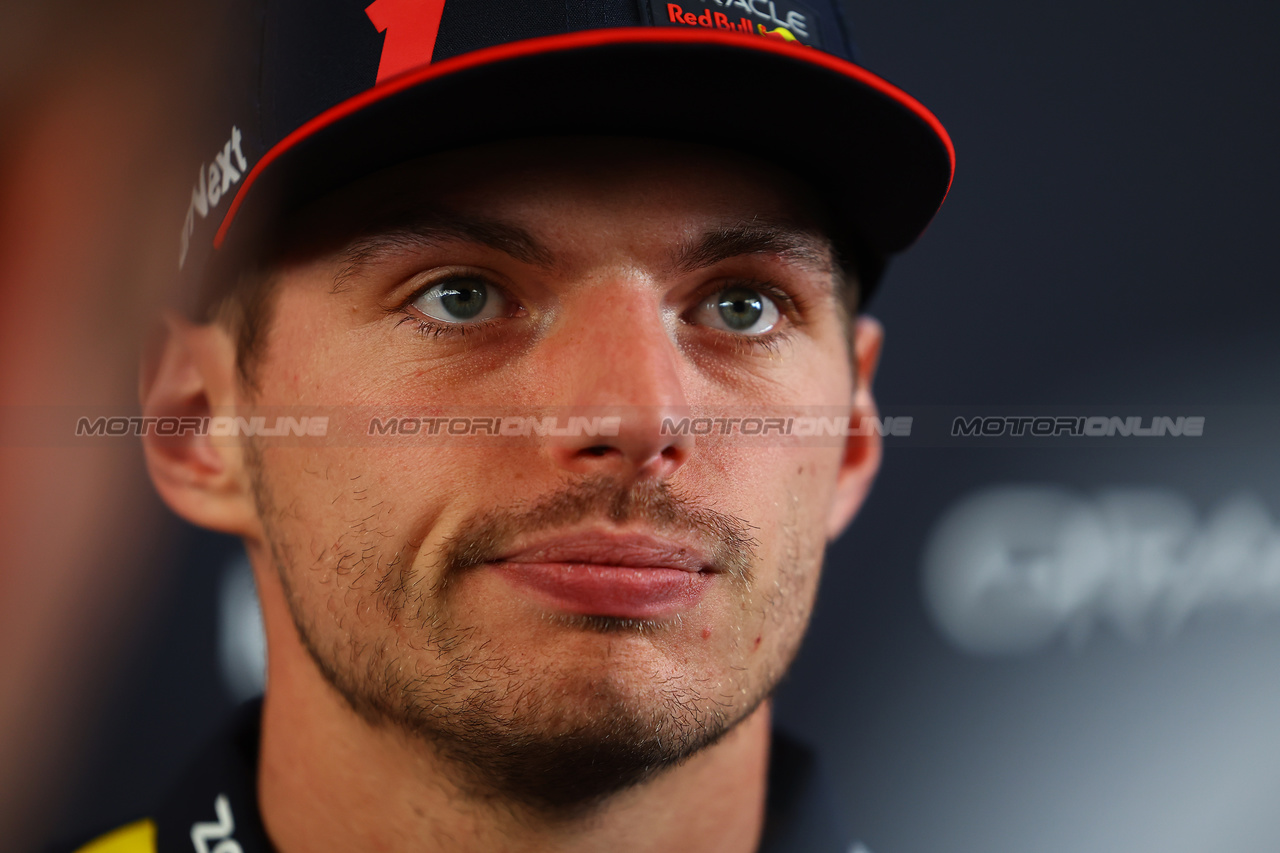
[[595, 590]]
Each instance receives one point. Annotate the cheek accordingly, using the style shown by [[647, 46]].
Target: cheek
[[344, 520], [311, 356], [765, 483], [786, 495], [344, 507]]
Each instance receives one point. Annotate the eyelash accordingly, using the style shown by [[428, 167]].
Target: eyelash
[[791, 307], [428, 328]]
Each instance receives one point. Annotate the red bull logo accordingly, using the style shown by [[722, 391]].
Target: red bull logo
[[720, 21], [710, 20]]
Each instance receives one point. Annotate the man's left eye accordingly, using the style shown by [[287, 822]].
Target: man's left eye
[[738, 309], [462, 300]]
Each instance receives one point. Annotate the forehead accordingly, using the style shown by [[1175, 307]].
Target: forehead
[[634, 187]]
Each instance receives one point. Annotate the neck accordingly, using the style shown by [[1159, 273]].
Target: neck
[[331, 781]]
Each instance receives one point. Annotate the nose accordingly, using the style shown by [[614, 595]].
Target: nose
[[615, 359]]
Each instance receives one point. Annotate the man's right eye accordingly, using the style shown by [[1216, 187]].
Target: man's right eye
[[465, 299]]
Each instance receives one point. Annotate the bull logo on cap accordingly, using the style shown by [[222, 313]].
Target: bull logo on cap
[[780, 33]]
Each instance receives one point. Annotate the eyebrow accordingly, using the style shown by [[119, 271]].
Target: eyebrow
[[432, 229], [722, 243], [757, 238]]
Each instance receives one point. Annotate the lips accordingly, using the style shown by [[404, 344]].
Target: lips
[[631, 576], [636, 551]]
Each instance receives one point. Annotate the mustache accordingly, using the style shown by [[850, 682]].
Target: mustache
[[486, 536]]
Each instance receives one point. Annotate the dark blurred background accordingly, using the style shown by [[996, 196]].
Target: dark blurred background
[[1052, 646]]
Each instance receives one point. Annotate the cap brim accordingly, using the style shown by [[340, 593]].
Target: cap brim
[[882, 161]]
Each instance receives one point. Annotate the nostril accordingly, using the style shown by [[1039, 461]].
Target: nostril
[[598, 450]]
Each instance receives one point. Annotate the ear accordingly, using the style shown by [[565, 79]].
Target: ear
[[862, 453], [190, 373]]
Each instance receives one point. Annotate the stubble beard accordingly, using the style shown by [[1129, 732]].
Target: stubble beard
[[513, 735]]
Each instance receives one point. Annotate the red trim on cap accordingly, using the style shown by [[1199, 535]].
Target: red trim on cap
[[573, 41]]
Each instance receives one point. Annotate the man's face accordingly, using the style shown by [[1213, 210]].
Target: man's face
[[560, 614]]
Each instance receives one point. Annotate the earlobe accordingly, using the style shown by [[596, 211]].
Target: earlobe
[[189, 373], [865, 447]]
